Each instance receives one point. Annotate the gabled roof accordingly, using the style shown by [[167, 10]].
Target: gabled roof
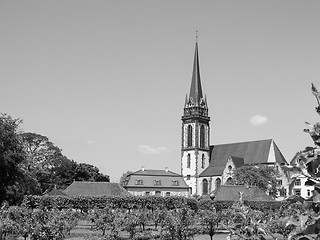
[[148, 177], [253, 152], [238, 162], [78, 188], [232, 193]]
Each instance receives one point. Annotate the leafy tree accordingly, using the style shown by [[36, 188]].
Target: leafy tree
[[261, 176], [87, 172], [124, 178], [209, 219], [11, 155]]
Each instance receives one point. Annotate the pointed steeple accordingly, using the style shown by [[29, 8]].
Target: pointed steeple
[[196, 89]]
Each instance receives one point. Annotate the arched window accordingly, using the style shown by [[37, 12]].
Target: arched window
[[189, 143], [203, 161], [205, 187], [188, 161], [229, 181], [202, 137], [218, 183]]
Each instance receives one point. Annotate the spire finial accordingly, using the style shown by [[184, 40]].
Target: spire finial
[[197, 35]]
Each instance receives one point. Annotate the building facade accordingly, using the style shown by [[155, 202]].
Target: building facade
[[147, 182], [205, 167]]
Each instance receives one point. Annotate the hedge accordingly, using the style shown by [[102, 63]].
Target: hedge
[[85, 203]]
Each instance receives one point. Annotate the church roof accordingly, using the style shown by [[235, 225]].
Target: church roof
[[253, 152], [82, 188], [232, 193]]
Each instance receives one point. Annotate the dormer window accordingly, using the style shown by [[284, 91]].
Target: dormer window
[[157, 182], [139, 182], [229, 168], [175, 183]]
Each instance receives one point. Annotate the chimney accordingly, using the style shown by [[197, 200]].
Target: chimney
[[142, 168], [166, 168]]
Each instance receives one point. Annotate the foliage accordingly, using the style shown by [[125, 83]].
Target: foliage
[[105, 219], [261, 176], [124, 178], [11, 156], [37, 224], [209, 220], [180, 223]]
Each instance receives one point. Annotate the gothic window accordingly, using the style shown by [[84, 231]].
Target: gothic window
[[218, 183], [229, 181], [189, 142], [202, 137], [205, 187], [188, 161], [202, 161]]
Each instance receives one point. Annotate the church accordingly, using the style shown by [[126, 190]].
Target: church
[[205, 167]]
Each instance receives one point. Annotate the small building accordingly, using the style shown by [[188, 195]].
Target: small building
[[147, 182], [83, 188], [235, 192]]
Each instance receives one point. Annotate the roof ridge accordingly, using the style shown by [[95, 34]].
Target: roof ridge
[[262, 140]]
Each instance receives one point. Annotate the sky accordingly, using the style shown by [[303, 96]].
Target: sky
[[106, 81]]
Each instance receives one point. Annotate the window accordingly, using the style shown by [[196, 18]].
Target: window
[[188, 161], [202, 137], [297, 192], [202, 161], [147, 194], [297, 182], [189, 142], [308, 192], [167, 194], [229, 168], [188, 177], [229, 181], [158, 193], [279, 182], [205, 187], [283, 192], [139, 182], [157, 182], [218, 182], [175, 183]]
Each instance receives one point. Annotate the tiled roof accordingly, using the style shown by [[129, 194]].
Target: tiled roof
[[253, 152], [232, 193], [238, 162], [78, 188], [147, 178], [151, 172]]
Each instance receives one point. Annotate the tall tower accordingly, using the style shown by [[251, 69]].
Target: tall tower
[[195, 145]]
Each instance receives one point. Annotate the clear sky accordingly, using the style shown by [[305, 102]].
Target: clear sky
[[106, 80]]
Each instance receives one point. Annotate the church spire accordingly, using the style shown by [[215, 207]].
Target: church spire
[[195, 89]]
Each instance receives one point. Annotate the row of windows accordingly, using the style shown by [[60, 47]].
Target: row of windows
[[203, 161], [158, 182], [190, 136], [298, 192]]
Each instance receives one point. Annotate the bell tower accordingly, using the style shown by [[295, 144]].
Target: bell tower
[[195, 145]]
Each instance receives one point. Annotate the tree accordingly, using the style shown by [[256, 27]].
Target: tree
[[258, 175], [124, 179], [11, 155], [87, 172]]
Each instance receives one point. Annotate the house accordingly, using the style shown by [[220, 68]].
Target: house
[[206, 167], [83, 188], [147, 182]]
